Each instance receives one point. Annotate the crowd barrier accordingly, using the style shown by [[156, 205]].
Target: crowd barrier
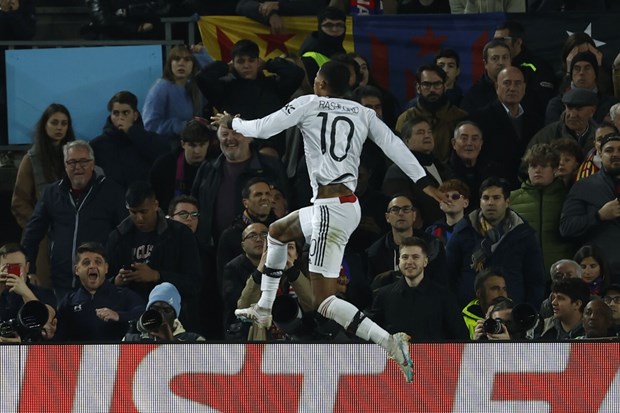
[[576, 377]]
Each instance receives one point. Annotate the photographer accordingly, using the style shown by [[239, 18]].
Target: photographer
[[16, 290], [507, 321], [160, 321]]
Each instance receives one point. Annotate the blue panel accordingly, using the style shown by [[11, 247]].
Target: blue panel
[[83, 79]]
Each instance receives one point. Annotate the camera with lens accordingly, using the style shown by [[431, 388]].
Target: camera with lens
[[28, 324], [493, 326], [149, 321]]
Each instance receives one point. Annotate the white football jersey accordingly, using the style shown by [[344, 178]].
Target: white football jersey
[[334, 131]]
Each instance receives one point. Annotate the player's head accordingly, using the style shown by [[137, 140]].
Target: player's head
[[332, 80]]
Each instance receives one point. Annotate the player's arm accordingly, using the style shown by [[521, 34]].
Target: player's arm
[[395, 149], [270, 125]]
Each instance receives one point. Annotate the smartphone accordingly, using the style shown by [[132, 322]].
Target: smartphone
[[14, 269]]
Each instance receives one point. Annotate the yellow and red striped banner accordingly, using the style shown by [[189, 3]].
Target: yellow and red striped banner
[[220, 33]]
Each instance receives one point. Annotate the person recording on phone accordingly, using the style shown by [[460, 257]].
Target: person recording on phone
[[16, 290], [160, 321], [98, 310]]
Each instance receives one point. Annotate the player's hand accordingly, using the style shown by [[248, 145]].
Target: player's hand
[[435, 193], [141, 273], [609, 211], [106, 314]]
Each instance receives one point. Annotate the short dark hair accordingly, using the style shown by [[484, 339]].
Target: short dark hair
[[484, 275], [492, 45], [244, 47], [570, 146], [574, 288], [10, 248], [366, 91], [245, 191], [467, 122], [93, 247], [501, 303], [198, 132], [138, 192], [497, 182], [349, 61], [407, 128], [414, 242], [336, 75], [432, 67], [542, 154], [515, 29], [449, 54], [186, 199], [124, 97]]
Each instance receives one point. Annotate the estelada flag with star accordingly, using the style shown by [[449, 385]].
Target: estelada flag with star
[[220, 33]]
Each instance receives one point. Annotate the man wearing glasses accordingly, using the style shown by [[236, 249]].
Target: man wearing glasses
[[383, 255], [434, 105], [81, 207], [611, 297]]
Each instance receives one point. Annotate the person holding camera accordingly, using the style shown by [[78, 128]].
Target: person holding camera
[[489, 285], [16, 290], [98, 310], [160, 321], [495, 325]]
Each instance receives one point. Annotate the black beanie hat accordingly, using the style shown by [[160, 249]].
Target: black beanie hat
[[585, 57]]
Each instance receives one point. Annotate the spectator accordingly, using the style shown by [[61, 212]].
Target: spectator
[[595, 270], [496, 56], [17, 20], [495, 236], [98, 310], [218, 183], [571, 156], [489, 284], [614, 113], [540, 199], [256, 198], [433, 104], [166, 300], [592, 162], [82, 206], [499, 311], [539, 75], [576, 121], [450, 61], [583, 73], [16, 289], [125, 150], [569, 298], [597, 320], [383, 254], [42, 165], [173, 173], [420, 139], [465, 161], [413, 300], [320, 45], [483, 6], [120, 20], [591, 210], [559, 270], [457, 200], [270, 13], [240, 87], [506, 125], [184, 209], [294, 282], [175, 98], [147, 249], [611, 297]]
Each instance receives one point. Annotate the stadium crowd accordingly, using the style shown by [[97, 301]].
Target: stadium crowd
[[157, 229]]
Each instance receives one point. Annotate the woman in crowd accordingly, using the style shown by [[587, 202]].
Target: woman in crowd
[[595, 271], [175, 99], [41, 165]]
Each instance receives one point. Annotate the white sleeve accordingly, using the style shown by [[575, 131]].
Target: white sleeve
[[270, 125], [395, 148]]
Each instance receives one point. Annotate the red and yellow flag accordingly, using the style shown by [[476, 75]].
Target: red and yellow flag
[[220, 33]]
